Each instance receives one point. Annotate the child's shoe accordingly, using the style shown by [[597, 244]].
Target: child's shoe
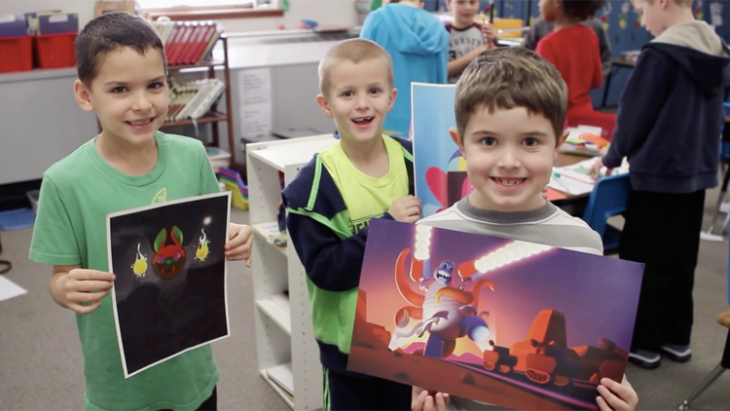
[[678, 353], [645, 359]]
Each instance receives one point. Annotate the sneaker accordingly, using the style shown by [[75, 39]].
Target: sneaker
[[678, 353], [645, 359]]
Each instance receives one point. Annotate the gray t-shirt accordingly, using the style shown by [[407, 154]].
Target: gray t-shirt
[[548, 225], [463, 41]]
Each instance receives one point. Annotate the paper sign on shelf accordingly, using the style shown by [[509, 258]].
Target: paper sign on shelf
[[256, 102]]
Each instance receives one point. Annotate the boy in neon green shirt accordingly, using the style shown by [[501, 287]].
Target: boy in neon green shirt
[[364, 175]]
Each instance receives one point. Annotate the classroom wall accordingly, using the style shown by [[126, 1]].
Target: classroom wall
[[325, 12]]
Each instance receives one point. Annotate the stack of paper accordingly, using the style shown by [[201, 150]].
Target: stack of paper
[[586, 141], [574, 179]]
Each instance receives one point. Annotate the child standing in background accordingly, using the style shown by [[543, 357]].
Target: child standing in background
[[669, 123], [467, 39], [573, 49], [540, 29], [418, 44]]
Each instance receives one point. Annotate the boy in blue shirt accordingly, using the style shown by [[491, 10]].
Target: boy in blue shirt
[[363, 175], [668, 125], [123, 78]]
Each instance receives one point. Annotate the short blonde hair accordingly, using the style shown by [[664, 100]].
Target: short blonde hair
[[354, 50], [510, 77]]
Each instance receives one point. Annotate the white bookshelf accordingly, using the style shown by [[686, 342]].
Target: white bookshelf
[[284, 338]]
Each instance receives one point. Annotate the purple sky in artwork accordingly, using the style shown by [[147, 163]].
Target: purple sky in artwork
[[598, 295]]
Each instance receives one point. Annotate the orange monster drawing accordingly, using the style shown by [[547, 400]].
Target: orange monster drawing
[[449, 312]]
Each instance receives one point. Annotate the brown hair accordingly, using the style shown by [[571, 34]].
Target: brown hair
[[111, 31], [510, 77], [355, 50]]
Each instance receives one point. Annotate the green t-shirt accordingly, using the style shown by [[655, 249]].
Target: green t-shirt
[[76, 195], [367, 197]]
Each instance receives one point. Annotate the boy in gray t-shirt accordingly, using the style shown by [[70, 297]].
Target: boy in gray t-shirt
[[509, 152], [467, 39]]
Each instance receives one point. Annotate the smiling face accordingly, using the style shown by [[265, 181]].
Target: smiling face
[[129, 95], [509, 157], [358, 98], [464, 11]]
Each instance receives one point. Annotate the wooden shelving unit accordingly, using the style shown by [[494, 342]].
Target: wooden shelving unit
[[214, 116], [284, 340]]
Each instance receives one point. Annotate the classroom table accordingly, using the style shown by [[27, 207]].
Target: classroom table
[[573, 204]]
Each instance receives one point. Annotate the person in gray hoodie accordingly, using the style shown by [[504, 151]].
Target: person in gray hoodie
[[418, 44], [669, 122]]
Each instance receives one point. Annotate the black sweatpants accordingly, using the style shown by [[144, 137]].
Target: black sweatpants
[[663, 231], [345, 392]]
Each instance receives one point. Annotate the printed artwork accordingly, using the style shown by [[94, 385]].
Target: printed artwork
[[440, 170], [170, 290], [520, 325]]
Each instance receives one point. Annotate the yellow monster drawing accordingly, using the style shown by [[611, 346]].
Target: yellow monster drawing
[[139, 268], [202, 252]]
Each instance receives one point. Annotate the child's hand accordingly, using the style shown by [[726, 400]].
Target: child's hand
[[423, 400], [81, 290], [490, 33], [239, 243], [595, 170], [406, 209], [615, 396]]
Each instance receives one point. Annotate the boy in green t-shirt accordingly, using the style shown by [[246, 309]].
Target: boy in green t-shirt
[[122, 77]]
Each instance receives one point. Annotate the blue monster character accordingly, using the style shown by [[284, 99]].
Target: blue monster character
[[446, 312]]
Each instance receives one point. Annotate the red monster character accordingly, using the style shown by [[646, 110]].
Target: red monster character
[[170, 258]]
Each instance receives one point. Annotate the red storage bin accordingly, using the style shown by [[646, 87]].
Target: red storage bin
[[16, 54], [55, 50]]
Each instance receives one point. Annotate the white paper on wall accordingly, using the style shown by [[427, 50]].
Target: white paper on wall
[[255, 112]]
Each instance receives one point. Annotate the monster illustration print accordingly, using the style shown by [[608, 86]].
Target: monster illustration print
[[169, 295], [516, 324]]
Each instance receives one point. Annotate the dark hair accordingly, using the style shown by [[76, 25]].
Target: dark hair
[[510, 77], [581, 9], [109, 32]]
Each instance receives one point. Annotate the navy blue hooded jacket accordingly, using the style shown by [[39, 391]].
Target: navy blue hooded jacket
[[670, 114]]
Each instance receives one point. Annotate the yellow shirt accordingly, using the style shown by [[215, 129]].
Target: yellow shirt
[[365, 196]]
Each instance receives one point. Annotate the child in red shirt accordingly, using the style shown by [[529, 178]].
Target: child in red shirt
[[573, 49]]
